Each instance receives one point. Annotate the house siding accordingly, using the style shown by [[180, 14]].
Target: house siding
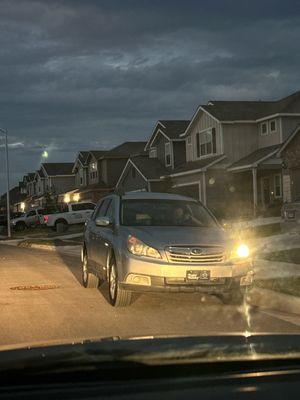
[[129, 183], [159, 143], [114, 168], [239, 140], [271, 138], [202, 122], [61, 184], [289, 124]]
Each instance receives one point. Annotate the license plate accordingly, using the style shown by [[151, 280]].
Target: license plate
[[203, 275]]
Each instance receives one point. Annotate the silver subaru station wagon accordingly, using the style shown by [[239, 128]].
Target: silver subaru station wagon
[[143, 241]]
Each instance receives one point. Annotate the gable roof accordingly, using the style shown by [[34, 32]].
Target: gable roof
[[82, 157], [252, 110], [289, 139], [151, 168], [255, 158], [126, 149], [53, 169], [191, 167], [172, 129], [97, 154]]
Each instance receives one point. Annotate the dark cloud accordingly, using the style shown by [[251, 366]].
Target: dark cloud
[[90, 74]]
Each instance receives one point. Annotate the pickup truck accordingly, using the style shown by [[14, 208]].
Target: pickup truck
[[70, 214], [31, 218]]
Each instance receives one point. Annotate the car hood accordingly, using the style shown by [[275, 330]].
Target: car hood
[[160, 237]]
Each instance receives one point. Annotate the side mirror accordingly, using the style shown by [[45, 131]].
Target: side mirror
[[103, 221]]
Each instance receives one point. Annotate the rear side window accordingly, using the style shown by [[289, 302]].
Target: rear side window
[[78, 207], [89, 206]]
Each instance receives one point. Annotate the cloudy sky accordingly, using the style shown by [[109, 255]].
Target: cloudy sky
[[78, 75]]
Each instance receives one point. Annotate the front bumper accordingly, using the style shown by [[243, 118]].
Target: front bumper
[[162, 276]]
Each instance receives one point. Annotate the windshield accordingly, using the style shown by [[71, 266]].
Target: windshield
[[165, 213], [149, 169]]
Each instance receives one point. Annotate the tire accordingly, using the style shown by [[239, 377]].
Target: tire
[[118, 297], [234, 297], [61, 225], [89, 280], [20, 226]]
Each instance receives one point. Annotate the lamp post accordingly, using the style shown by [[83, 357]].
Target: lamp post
[[4, 131]]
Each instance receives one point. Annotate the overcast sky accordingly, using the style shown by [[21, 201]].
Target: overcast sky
[[78, 75]]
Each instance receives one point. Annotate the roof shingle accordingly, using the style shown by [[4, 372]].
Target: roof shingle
[[53, 169]]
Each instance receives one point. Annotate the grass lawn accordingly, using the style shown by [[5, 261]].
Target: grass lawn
[[291, 256], [289, 286]]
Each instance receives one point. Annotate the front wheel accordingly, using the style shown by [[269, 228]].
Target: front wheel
[[89, 280], [118, 297]]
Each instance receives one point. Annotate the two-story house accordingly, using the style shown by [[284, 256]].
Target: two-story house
[[104, 168], [164, 151], [80, 169], [231, 152], [53, 178]]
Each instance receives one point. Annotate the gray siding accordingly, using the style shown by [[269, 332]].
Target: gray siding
[[130, 182], [239, 140], [289, 124], [159, 143], [202, 122], [114, 167], [271, 138], [61, 184]]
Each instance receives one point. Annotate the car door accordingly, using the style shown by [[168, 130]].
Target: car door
[[95, 235], [104, 236]]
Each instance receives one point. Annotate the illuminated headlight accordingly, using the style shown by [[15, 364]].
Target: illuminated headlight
[[241, 251], [139, 248]]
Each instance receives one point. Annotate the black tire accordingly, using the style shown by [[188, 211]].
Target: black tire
[[89, 280], [234, 297], [61, 225], [20, 226], [118, 297]]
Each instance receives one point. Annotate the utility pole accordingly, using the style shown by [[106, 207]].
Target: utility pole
[[7, 182]]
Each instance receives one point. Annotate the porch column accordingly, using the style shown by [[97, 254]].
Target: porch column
[[204, 188], [254, 184]]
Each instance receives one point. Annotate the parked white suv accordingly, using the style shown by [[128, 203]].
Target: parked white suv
[[72, 213]]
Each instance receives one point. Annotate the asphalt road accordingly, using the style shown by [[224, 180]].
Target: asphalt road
[[65, 311]]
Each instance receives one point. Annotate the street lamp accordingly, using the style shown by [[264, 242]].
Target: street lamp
[[4, 131]]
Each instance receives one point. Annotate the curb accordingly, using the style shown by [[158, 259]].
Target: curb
[[271, 300]]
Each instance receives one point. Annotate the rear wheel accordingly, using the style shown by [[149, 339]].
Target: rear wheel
[[89, 280], [61, 225], [118, 297]]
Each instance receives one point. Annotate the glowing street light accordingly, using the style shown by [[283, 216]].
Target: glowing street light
[[45, 154]]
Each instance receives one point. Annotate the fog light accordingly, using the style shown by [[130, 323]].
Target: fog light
[[139, 280]]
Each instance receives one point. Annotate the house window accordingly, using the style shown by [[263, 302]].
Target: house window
[[273, 126], [206, 143], [277, 186], [264, 128], [153, 153], [168, 154]]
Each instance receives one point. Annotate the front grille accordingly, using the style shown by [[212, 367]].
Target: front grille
[[195, 255]]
